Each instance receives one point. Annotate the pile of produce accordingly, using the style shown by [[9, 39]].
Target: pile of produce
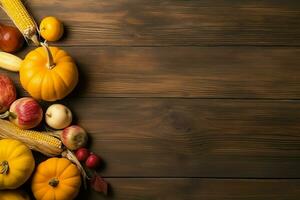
[[48, 74]]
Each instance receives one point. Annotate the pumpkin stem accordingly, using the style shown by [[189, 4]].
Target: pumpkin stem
[[54, 182], [5, 167], [50, 61]]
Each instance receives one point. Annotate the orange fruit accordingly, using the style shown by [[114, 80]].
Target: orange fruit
[[51, 29]]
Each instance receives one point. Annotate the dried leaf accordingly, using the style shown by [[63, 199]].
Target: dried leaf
[[98, 184]]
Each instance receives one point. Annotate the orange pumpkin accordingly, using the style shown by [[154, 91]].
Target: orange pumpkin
[[56, 178], [48, 73]]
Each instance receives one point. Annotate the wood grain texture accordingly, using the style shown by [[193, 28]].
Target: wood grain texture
[[194, 189], [186, 99], [174, 22], [192, 137], [190, 72]]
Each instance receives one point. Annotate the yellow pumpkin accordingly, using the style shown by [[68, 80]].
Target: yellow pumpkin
[[13, 195], [56, 178], [16, 164], [48, 73]]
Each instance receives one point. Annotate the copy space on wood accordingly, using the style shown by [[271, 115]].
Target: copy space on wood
[[192, 137]]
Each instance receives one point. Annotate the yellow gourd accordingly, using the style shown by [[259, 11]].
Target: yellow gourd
[[56, 178], [16, 164], [48, 73], [51, 29], [13, 195]]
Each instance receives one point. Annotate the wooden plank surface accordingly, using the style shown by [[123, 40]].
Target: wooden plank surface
[[175, 22], [180, 96], [192, 72], [193, 137], [208, 189]]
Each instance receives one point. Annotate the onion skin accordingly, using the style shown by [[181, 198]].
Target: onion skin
[[58, 116], [74, 137]]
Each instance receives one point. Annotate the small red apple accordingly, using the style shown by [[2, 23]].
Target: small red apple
[[93, 161], [7, 93], [26, 113], [82, 154]]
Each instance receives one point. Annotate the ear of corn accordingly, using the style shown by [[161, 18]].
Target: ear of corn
[[10, 62], [38, 141], [21, 18]]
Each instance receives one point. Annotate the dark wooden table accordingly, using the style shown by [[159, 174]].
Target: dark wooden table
[[187, 99]]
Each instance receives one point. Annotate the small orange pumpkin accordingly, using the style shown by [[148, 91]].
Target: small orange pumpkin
[[48, 73], [56, 178]]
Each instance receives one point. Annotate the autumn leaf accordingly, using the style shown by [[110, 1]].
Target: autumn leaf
[[98, 184]]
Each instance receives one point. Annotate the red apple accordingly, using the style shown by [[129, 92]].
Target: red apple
[[26, 113], [7, 93], [74, 137], [93, 161], [82, 154]]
